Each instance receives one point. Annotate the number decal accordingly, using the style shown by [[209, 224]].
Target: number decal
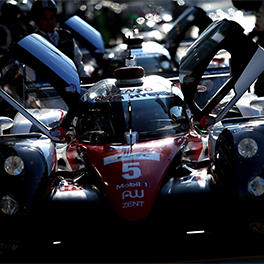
[[131, 170]]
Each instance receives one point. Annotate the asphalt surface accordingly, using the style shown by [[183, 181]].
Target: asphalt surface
[[191, 248]]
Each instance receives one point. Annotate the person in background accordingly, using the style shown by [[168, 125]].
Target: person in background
[[44, 14]]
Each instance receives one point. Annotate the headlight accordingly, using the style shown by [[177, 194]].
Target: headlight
[[256, 186], [247, 147], [8, 205], [14, 165]]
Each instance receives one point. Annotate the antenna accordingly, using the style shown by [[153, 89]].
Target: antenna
[[130, 60]]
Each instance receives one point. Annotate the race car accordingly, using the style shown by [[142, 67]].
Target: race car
[[29, 160], [130, 134], [127, 127], [154, 57], [28, 172], [234, 143]]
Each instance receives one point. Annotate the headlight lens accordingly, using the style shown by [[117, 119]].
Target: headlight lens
[[14, 165], [256, 186], [247, 147], [8, 205]]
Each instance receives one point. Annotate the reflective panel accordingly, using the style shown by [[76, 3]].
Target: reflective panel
[[87, 32], [50, 56]]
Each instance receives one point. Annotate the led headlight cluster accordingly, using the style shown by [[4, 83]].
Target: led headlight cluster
[[256, 186], [14, 165], [8, 205], [247, 147]]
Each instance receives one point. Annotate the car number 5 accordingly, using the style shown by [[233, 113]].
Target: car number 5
[[131, 170]]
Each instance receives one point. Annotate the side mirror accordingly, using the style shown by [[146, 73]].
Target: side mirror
[[5, 123]]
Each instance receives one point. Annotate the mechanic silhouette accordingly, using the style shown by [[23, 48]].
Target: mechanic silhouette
[[44, 14]]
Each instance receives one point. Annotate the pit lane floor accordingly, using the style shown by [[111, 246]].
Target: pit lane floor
[[191, 248]]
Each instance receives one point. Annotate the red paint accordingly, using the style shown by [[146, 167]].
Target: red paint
[[133, 179]]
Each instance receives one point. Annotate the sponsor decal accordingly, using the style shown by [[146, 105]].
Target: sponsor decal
[[200, 178], [149, 94], [131, 170], [67, 188], [129, 204], [131, 185], [132, 156], [133, 194], [201, 88], [133, 94]]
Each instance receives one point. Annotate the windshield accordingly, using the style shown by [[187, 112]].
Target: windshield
[[144, 117]]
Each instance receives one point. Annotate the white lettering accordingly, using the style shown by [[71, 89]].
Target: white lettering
[[130, 157], [130, 204], [131, 170], [128, 185], [132, 194]]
